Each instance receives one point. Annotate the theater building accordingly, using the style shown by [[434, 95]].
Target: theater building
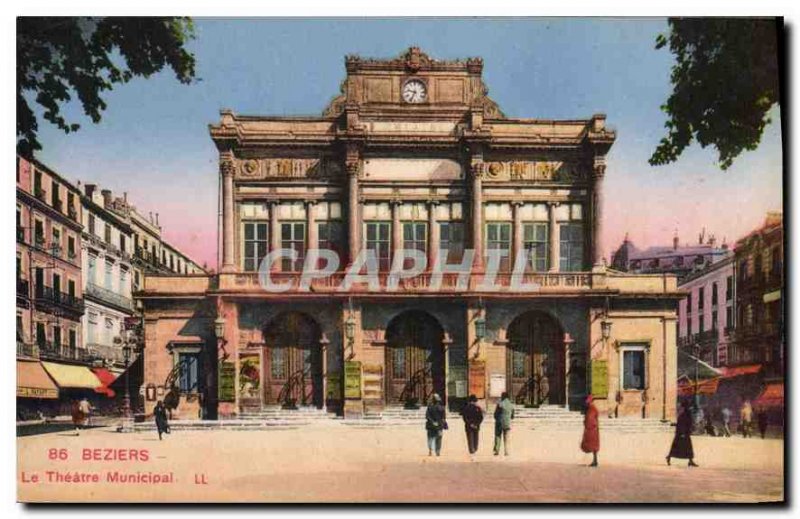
[[412, 154]]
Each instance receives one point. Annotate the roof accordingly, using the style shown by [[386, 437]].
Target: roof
[[666, 252], [33, 381]]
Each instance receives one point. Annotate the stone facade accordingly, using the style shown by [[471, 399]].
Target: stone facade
[[412, 155]]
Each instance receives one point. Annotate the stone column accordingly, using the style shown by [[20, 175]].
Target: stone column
[[312, 238], [353, 167], [517, 245], [274, 232], [226, 167], [476, 170], [598, 172], [397, 228], [433, 233], [552, 233]]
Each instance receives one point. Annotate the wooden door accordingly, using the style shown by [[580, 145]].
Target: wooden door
[[414, 359], [535, 361], [293, 362]]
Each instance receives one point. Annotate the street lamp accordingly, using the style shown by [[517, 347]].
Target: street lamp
[[219, 327], [605, 328], [126, 403]]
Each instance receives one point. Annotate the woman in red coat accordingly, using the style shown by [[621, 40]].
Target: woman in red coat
[[591, 431]]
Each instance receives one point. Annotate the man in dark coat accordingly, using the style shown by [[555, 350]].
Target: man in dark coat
[[435, 424], [473, 416], [682, 443], [160, 414], [591, 430], [763, 421]]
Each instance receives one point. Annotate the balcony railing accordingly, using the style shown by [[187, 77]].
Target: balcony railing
[[106, 352], [27, 350], [53, 351], [504, 282], [108, 296], [703, 339], [47, 295]]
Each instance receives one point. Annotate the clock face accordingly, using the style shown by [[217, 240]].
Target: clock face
[[414, 91]]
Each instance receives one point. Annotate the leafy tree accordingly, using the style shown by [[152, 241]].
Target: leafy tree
[[725, 80], [61, 57]]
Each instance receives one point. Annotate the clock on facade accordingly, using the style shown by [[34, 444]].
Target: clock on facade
[[414, 91]]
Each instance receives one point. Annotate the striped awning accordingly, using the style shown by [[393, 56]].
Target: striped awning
[[771, 396], [72, 377], [33, 381], [704, 387]]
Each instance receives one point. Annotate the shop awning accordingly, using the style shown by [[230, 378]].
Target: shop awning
[[33, 381], [72, 377], [134, 377], [737, 371], [772, 396], [704, 387], [107, 378]]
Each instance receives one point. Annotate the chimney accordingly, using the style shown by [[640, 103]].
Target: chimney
[[157, 220], [712, 240], [89, 189], [106, 197], [675, 242], [125, 197], [151, 217]]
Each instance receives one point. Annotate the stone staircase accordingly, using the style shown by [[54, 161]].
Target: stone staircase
[[544, 418], [268, 418]]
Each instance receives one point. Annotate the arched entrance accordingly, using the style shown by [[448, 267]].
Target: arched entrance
[[415, 364], [293, 361], [535, 360]]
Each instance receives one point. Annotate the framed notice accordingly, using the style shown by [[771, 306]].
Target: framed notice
[[226, 382], [497, 384], [352, 379], [477, 378], [600, 378]]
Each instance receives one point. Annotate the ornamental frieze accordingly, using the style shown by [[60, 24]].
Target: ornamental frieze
[[256, 169], [536, 171]]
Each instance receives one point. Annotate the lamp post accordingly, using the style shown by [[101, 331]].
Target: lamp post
[[350, 333], [126, 402]]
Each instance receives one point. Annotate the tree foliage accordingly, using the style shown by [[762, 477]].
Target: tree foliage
[[58, 58], [725, 80]]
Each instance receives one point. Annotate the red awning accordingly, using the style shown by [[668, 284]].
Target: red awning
[[772, 396], [106, 377], [704, 387], [736, 371]]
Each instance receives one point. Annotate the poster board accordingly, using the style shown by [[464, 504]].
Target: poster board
[[334, 388], [477, 379], [497, 385], [600, 378], [227, 381], [352, 379]]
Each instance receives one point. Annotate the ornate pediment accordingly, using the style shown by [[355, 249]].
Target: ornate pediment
[[413, 60]]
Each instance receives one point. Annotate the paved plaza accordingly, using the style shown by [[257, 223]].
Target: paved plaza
[[333, 462]]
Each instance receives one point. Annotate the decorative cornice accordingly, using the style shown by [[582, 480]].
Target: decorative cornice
[[413, 60]]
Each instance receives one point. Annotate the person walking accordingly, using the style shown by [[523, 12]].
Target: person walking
[[160, 415], [746, 417], [591, 430], [682, 443], [435, 424], [726, 422], [763, 421], [709, 426], [503, 414], [473, 416], [77, 417]]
